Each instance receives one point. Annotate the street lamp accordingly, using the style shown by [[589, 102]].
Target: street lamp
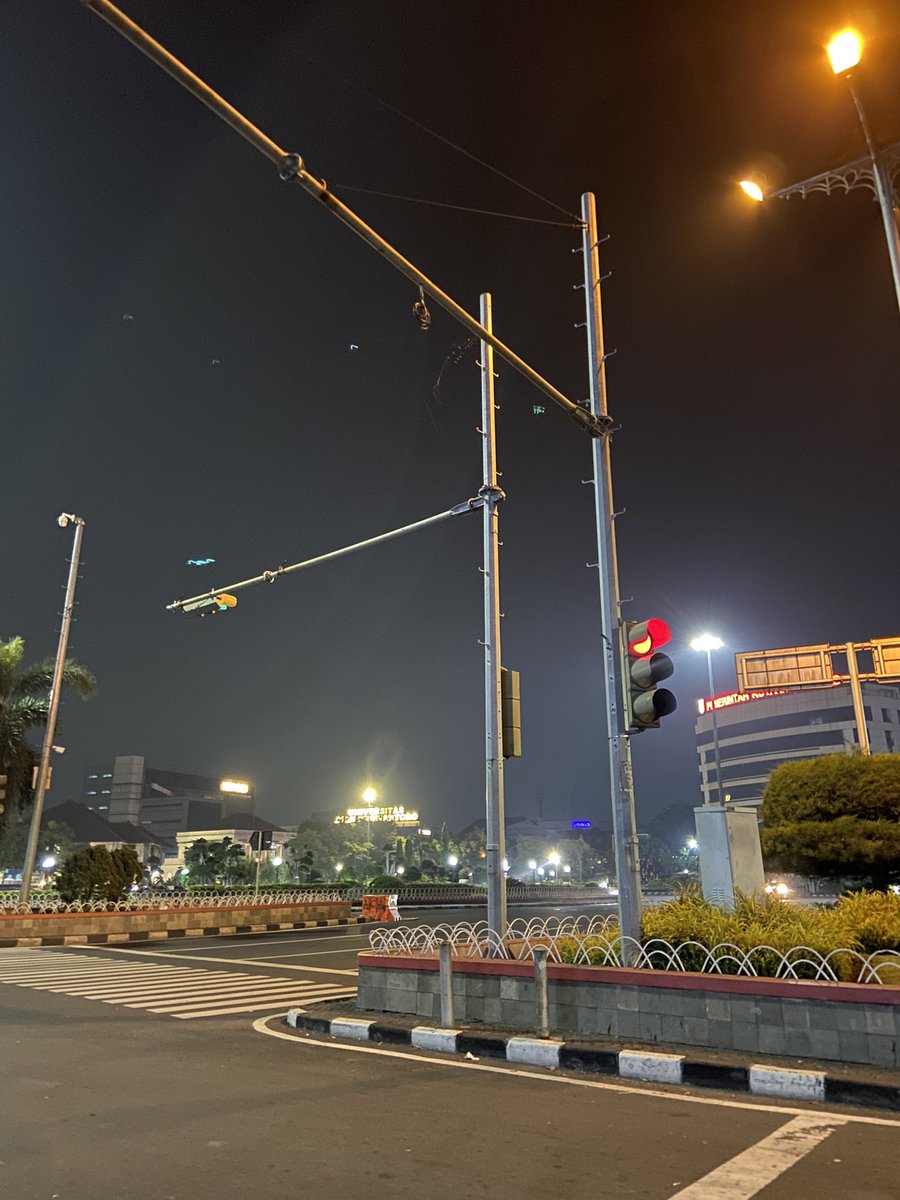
[[876, 170], [532, 867], [710, 642]]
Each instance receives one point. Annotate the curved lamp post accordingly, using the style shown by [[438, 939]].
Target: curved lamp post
[[876, 170]]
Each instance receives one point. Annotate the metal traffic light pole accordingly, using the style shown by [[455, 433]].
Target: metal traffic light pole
[[621, 781], [495, 832], [43, 775], [592, 418]]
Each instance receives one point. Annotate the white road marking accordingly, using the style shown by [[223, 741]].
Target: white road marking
[[240, 962], [182, 992], [535, 1076], [745, 1175]]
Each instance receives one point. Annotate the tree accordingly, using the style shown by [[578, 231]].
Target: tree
[[216, 862], [98, 874], [24, 705], [673, 825], [836, 816], [55, 838]]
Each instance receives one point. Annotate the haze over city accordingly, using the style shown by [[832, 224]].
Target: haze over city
[[204, 364]]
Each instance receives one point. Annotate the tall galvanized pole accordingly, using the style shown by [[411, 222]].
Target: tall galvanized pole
[[883, 186], [628, 868], [52, 709], [492, 495]]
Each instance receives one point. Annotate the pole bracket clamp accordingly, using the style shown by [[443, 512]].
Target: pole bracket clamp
[[290, 167]]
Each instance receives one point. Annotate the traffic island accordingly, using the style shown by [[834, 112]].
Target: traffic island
[[661, 1064]]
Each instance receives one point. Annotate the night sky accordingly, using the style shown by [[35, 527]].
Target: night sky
[[177, 369]]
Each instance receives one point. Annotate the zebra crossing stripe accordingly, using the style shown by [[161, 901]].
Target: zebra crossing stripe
[[225, 1012], [181, 992]]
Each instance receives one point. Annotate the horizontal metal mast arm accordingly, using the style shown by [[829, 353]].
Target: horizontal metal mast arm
[[270, 576], [291, 168]]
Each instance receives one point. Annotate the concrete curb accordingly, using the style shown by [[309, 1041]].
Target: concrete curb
[[784, 1083], [165, 935]]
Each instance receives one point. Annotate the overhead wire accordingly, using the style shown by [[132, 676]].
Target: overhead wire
[[352, 83], [484, 212]]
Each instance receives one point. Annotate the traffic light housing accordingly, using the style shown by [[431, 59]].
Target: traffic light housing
[[207, 605], [511, 711], [644, 668]]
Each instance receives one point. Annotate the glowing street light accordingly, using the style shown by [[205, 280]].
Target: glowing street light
[[844, 51], [532, 867], [554, 858], [48, 862], [709, 642], [875, 171], [370, 795], [692, 843], [452, 860]]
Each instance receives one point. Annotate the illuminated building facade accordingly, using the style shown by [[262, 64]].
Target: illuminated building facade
[[164, 802], [759, 731]]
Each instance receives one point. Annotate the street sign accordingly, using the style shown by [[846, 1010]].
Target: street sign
[[581, 824], [818, 666]]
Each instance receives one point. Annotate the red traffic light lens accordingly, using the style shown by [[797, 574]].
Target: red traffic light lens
[[647, 637]]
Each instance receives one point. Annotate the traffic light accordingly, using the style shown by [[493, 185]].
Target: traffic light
[[645, 666], [511, 712], [207, 605]]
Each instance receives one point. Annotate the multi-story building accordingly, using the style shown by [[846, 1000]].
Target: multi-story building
[[760, 730], [130, 790]]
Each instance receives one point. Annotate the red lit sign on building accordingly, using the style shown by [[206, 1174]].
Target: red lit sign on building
[[732, 698]]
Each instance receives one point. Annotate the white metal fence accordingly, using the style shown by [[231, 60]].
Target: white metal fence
[[595, 941]]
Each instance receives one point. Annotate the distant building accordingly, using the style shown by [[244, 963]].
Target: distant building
[[239, 827], [129, 790], [90, 829], [758, 732]]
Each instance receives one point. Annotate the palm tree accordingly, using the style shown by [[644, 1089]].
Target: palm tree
[[24, 705]]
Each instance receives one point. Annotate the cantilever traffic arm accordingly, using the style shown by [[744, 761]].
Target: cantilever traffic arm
[[291, 168], [205, 599]]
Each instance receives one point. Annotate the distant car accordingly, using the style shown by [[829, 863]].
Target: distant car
[[778, 888]]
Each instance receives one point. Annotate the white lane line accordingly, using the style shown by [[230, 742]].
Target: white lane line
[[89, 980], [240, 962], [261, 1026], [284, 941], [224, 1012], [748, 1173], [189, 989], [269, 995], [306, 954]]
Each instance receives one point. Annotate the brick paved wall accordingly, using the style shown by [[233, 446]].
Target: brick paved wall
[[852, 1023], [124, 926]]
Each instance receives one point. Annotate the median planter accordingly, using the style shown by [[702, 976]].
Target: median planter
[[839, 1022], [81, 928]]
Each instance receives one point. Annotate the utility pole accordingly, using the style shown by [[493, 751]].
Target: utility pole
[[493, 720], [53, 707], [625, 840]]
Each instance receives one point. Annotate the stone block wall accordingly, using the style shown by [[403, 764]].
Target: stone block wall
[[837, 1022], [61, 928]]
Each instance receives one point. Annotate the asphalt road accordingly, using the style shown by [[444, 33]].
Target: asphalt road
[[166, 1072]]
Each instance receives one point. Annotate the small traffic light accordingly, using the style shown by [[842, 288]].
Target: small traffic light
[[207, 605], [645, 667]]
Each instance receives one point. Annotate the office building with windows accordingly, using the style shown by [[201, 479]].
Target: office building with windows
[[164, 802], [759, 731]]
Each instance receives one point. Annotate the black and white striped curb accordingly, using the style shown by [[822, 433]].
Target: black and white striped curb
[[163, 935], [784, 1083]]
